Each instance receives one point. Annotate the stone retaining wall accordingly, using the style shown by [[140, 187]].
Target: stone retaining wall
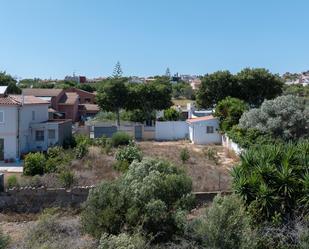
[[32, 200]]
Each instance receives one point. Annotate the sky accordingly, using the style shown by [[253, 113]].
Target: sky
[[54, 38]]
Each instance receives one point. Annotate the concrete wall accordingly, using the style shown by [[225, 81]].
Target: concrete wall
[[8, 131], [230, 145], [171, 130], [198, 131]]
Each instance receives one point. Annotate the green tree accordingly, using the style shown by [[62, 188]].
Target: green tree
[[285, 117], [117, 73], [113, 96], [10, 82], [182, 90], [229, 111], [215, 87], [258, 84], [273, 180], [171, 114], [151, 194], [150, 97]]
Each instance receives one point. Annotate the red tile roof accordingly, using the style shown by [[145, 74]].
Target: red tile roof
[[42, 92], [69, 98], [205, 118], [8, 100], [89, 107], [28, 100]]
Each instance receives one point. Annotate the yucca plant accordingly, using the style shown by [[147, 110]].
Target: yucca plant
[[274, 180]]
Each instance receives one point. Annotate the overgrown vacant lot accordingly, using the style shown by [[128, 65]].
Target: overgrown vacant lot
[[206, 174]]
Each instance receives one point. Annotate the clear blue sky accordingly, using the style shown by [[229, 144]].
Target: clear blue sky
[[53, 38]]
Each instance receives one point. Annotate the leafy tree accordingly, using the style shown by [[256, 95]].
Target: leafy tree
[[117, 73], [6, 79], [34, 164], [215, 87], [171, 114], [182, 89], [113, 96], [151, 194], [285, 117], [149, 97], [273, 180], [229, 111], [10, 82], [258, 84], [86, 87]]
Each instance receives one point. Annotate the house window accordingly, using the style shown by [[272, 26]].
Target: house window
[[209, 129], [1, 116], [51, 134], [39, 135], [33, 115]]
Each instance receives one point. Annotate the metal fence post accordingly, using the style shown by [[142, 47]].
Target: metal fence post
[[1, 182]]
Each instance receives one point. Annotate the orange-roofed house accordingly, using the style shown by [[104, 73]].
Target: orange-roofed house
[[25, 126], [204, 130]]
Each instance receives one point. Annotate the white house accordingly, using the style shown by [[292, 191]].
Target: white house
[[204, 130], [25, 127]]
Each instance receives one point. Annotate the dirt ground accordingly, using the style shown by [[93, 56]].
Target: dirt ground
[[205, 174]]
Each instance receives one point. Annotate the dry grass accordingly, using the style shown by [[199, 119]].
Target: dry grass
[[205, 174], [94, 167]]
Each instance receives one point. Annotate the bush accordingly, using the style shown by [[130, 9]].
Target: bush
[[121, 138], [184, 155], [66, 178], [212, 154], [151, 194], [12, 181], [81, 149], [54, 232], [57, 159], [225, 225], [34, 164], [129, 153], [171, 114], [122, 241], [4, 240]]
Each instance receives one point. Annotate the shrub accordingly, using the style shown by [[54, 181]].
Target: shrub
[[171, 114], [273, 180], [150, 194], [34, 164], [57, 158], [69, 143], [121, 138], [82, 139], [54, 232], [211, 154], [285, 117], [81, 149], [55, 151], [122, 241], [225, 225], [66, 178], [229, 111], [101, 141], [4, 240], [129, 153], [12, 181], [184, 155]]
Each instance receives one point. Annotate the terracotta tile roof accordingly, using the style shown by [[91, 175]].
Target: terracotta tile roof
[[89, 107], [205, 118], [42, 92], [17, 100], [69, 98], [8, 100], [28, 100]]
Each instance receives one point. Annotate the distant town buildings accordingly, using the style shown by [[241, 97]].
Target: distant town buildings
[[296, 78]]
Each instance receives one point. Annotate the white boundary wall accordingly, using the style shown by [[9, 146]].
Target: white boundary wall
[[229, 144], [171, 130]]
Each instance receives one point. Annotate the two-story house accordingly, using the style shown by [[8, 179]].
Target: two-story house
[[25, 126]]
